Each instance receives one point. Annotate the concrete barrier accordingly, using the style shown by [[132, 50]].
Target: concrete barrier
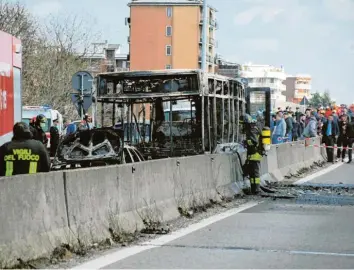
[[33, 217], [38, 212], [288, 158]]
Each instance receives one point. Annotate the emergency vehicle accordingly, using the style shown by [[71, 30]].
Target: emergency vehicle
[[30, 112], [10, 85]]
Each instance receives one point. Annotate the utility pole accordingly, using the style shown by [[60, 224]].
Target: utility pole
[[204, 36]]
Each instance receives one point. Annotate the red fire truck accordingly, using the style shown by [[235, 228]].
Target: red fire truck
[[10, 85]]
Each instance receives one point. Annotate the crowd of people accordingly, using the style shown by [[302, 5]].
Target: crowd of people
[[335, 126]]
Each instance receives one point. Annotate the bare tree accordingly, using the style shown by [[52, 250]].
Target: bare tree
[[17, 21], [59, 54], [52, 53]]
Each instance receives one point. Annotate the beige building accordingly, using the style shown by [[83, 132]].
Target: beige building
[[298, 87], [105, 57]]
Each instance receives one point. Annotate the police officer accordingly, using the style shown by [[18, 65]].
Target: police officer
[[54, 138], [37, 129], [23, 155], [255, 151]]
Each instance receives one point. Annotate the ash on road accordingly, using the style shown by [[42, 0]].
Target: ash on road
[[314, 230]]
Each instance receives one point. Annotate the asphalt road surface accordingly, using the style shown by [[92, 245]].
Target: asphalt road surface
[[273, 234]]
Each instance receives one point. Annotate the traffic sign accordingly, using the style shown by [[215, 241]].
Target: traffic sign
[[82, 81], [82, 103]]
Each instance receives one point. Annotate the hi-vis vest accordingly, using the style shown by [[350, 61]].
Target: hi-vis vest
[[255, 142]]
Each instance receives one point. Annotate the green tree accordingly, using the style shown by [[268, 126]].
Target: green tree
[[319, 99]]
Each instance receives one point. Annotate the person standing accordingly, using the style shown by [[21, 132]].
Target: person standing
[[329, 132], [54, 138], [350, 141], [308, 116], [342, 137], [37, 129], [289, 127], [279, 129], [254, 151], [301, 126], [297, 114], [23, 155]]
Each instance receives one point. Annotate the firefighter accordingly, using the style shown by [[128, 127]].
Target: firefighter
[[255, 151], [37, 129], [23, 155]]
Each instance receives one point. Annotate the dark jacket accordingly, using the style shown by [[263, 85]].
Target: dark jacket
[[301, 127], [39, 134], [343, 132], [335, 129], [54, 136], [289, 125], [296, 127], [297, 116], [23, 157]]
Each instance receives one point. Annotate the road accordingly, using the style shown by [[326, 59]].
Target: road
[[273, 234]]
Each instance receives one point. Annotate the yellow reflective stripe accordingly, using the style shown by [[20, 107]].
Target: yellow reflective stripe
[[266, 133], [266, 140], [9, 168], [256, 180], [257, 156], [32, 168], [249, 142]]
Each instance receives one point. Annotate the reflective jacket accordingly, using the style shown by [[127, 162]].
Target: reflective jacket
[[23, 157], [254, 143]]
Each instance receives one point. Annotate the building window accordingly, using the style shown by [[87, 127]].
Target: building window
[[168, 50], [169, 11], [272, 80], [168, 31], [168, 67]]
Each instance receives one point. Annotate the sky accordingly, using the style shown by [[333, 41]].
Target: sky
[[313, 37]]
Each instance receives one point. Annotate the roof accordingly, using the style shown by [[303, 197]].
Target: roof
[[299, 76], [164, 72], [147, 73], [165, 2], [168, 3]]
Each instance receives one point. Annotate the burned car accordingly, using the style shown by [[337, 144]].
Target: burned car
[[100, 146]]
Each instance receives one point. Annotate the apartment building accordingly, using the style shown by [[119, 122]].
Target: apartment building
[[265, 76], [105, 57], [228, 69], [298, 87], [167, 34]]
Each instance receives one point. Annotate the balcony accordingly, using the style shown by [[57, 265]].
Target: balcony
[[209, 58], [277, 86], [109, 62], [211, 42], [303, 86], [213, 23], [120, 69]]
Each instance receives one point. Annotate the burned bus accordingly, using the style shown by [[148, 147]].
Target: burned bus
[[171, 113]]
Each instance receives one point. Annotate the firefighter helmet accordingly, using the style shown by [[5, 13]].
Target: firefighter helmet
[[247, 119]]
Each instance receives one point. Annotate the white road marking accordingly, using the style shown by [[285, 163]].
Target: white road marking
[[321, 253], [158, 242], [318, 174], [322, 172]]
